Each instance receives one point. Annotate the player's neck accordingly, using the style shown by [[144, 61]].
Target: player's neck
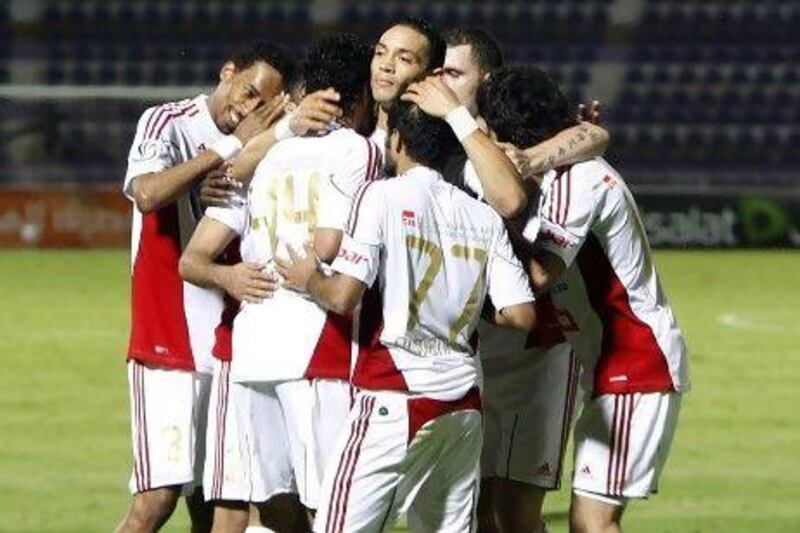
[[405, 164], [213, 103], [383, 119]]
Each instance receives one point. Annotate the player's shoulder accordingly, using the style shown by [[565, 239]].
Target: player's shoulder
[[159, 119], [351, 144], [478, 210], [593, 172]]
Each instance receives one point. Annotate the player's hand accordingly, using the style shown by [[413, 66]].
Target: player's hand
[[590, 113], [433, 96], [315, 112], [519, 158], [248, 282], [261, 118], [219, 190], [297, 271]]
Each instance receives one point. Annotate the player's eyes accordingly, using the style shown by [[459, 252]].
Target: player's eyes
[[407, 60]]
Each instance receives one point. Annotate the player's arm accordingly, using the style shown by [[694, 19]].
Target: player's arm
[[327, 242], [520, 316], [543, 267], [314, 113], [500, 180], [153, 190], [508, 287], [339, 292], [244, 281], [573, 145]]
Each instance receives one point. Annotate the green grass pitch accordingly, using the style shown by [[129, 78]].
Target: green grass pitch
[[735, 466]]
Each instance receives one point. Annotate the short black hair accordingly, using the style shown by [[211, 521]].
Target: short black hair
[[427, 140], [485, 50], [523, 105], [270, 53], [341, 61], [437, 48]]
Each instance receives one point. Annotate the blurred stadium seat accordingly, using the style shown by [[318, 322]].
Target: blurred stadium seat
[[702, 85]]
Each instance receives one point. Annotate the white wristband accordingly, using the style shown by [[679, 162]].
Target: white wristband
[[282, 129], [462, 122], [228, 147]]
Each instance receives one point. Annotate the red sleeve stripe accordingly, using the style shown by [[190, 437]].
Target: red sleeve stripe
[[162, 116], [169, 118], [156, 115], [353, 222], [568, 186], [558, 199], [370, 162], [378, 161]]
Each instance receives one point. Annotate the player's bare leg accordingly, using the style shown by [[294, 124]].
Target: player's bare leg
[[230, 517], [150, 510], [284, 514], [588, 515], [201, 512], [518, 506]]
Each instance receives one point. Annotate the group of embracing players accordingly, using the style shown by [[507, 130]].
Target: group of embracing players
[[312, 346]]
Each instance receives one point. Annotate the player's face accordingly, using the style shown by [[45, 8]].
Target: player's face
[[244, 90], [462, 75], [401, 56]]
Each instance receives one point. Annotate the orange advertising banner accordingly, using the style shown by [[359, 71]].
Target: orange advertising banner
[[64, 216]]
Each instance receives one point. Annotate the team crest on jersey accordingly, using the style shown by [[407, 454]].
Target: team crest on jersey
[[151, 148], [609, 181], [409, 219]]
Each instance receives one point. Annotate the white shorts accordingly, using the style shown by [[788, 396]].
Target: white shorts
[[331, 402], [168, 423], [223, 473], [529, 400], [275, 427], [399, 454], [622, 442]]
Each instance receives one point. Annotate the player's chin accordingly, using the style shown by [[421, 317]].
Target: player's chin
[[384, 95]]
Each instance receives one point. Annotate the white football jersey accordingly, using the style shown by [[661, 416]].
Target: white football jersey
[[173, 321], [616, 313], [435, 253], [303, 183]]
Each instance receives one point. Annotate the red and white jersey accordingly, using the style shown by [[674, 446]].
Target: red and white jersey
[[435, 253], [378, 137], [302, 184], [614, 309], [173, 321]]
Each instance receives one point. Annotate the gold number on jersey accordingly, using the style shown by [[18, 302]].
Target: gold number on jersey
[[281, 196], [479, 255], [436, 256]]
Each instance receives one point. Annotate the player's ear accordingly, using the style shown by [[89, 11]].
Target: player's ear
[[227, 72]]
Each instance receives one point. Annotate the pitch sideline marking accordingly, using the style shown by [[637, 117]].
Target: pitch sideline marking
[[737, 321]]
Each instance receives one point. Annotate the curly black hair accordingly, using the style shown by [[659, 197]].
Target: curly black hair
[[523, 106], [427, 140], [341, 61], [272, 54], [437, 48]]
